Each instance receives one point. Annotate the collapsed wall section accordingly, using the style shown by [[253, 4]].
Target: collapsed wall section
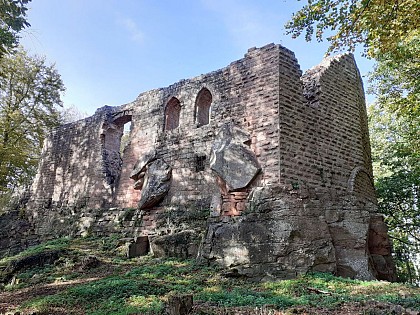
[[338, 132], [338, 137]]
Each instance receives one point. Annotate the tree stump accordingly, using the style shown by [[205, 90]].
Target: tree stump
[[179, 304]]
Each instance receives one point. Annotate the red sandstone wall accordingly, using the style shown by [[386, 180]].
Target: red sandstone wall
[[245, 93], [304, 142], [333, 128], [71, 169], [306, 135]]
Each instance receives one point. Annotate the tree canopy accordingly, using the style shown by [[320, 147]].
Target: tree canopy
[[377, 25], [395, 80], [30, 91], [12, 21], [396, 155]]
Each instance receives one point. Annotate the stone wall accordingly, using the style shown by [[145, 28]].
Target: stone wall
[[16, 233], [253, 166]]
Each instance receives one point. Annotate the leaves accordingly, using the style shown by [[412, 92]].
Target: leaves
[[378, 25], [395, 131], [30, 92], [396, 155], [12, 21], [396, 77]]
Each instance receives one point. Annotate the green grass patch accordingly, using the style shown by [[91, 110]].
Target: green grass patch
[[57, 244], [142, 285]]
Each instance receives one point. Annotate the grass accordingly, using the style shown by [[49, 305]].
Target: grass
[[57, 244], [142, 285]]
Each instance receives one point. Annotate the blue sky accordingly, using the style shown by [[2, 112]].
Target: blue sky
[[109, 51]]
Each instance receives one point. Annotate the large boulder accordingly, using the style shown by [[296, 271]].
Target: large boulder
[[231, 158], [139, 168], [184, 244], [153, 177], [380, 249], [157, 182], [36, 260]]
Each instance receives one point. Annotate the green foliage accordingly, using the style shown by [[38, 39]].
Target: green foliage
[[124, 141], [396, 155], [143, 285], [57, 244], [12, 21], [378, 25], [245, 296], [30, 92], [395, 80]]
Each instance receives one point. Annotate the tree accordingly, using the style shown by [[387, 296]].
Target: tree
[[12, 21], [389, 32], [30, 91], [396, 78], [378, 25], [396, 155], [70, 114]]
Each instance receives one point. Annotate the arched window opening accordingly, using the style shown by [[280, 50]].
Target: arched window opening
[[172, 113], [202, 107], [122, 124], [125, 137], [114, 139]]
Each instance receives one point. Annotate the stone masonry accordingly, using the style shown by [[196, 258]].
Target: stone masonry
[[254, 167]]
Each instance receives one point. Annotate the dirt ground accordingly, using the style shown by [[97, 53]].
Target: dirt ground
[[9, 301], [371, 308]]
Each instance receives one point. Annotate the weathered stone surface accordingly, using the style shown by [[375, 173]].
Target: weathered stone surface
[[138, 247], [269, 236], [231, 159], [157, 182], [380, 249], [378, 236], [90, 262], [183, 244], [16, 233], [349, 232], [384, 268], [140, 166]]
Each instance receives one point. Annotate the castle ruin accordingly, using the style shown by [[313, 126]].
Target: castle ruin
[[254, 167]]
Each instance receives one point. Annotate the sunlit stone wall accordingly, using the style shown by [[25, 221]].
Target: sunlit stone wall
[[253, 166]]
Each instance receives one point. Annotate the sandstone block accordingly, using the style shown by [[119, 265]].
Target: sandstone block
[[232, 160], [156, 184]]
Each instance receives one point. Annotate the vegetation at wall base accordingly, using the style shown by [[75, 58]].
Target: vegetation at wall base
[[113, 284]]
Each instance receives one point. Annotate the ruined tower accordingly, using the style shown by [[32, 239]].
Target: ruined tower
[[254, 167]]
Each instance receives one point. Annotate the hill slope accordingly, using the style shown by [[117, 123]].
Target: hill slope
[[92, 276]]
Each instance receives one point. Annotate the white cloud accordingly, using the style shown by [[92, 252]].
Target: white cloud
[[131, 27]]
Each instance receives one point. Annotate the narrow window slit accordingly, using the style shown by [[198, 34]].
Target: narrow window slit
[[200, 161]]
